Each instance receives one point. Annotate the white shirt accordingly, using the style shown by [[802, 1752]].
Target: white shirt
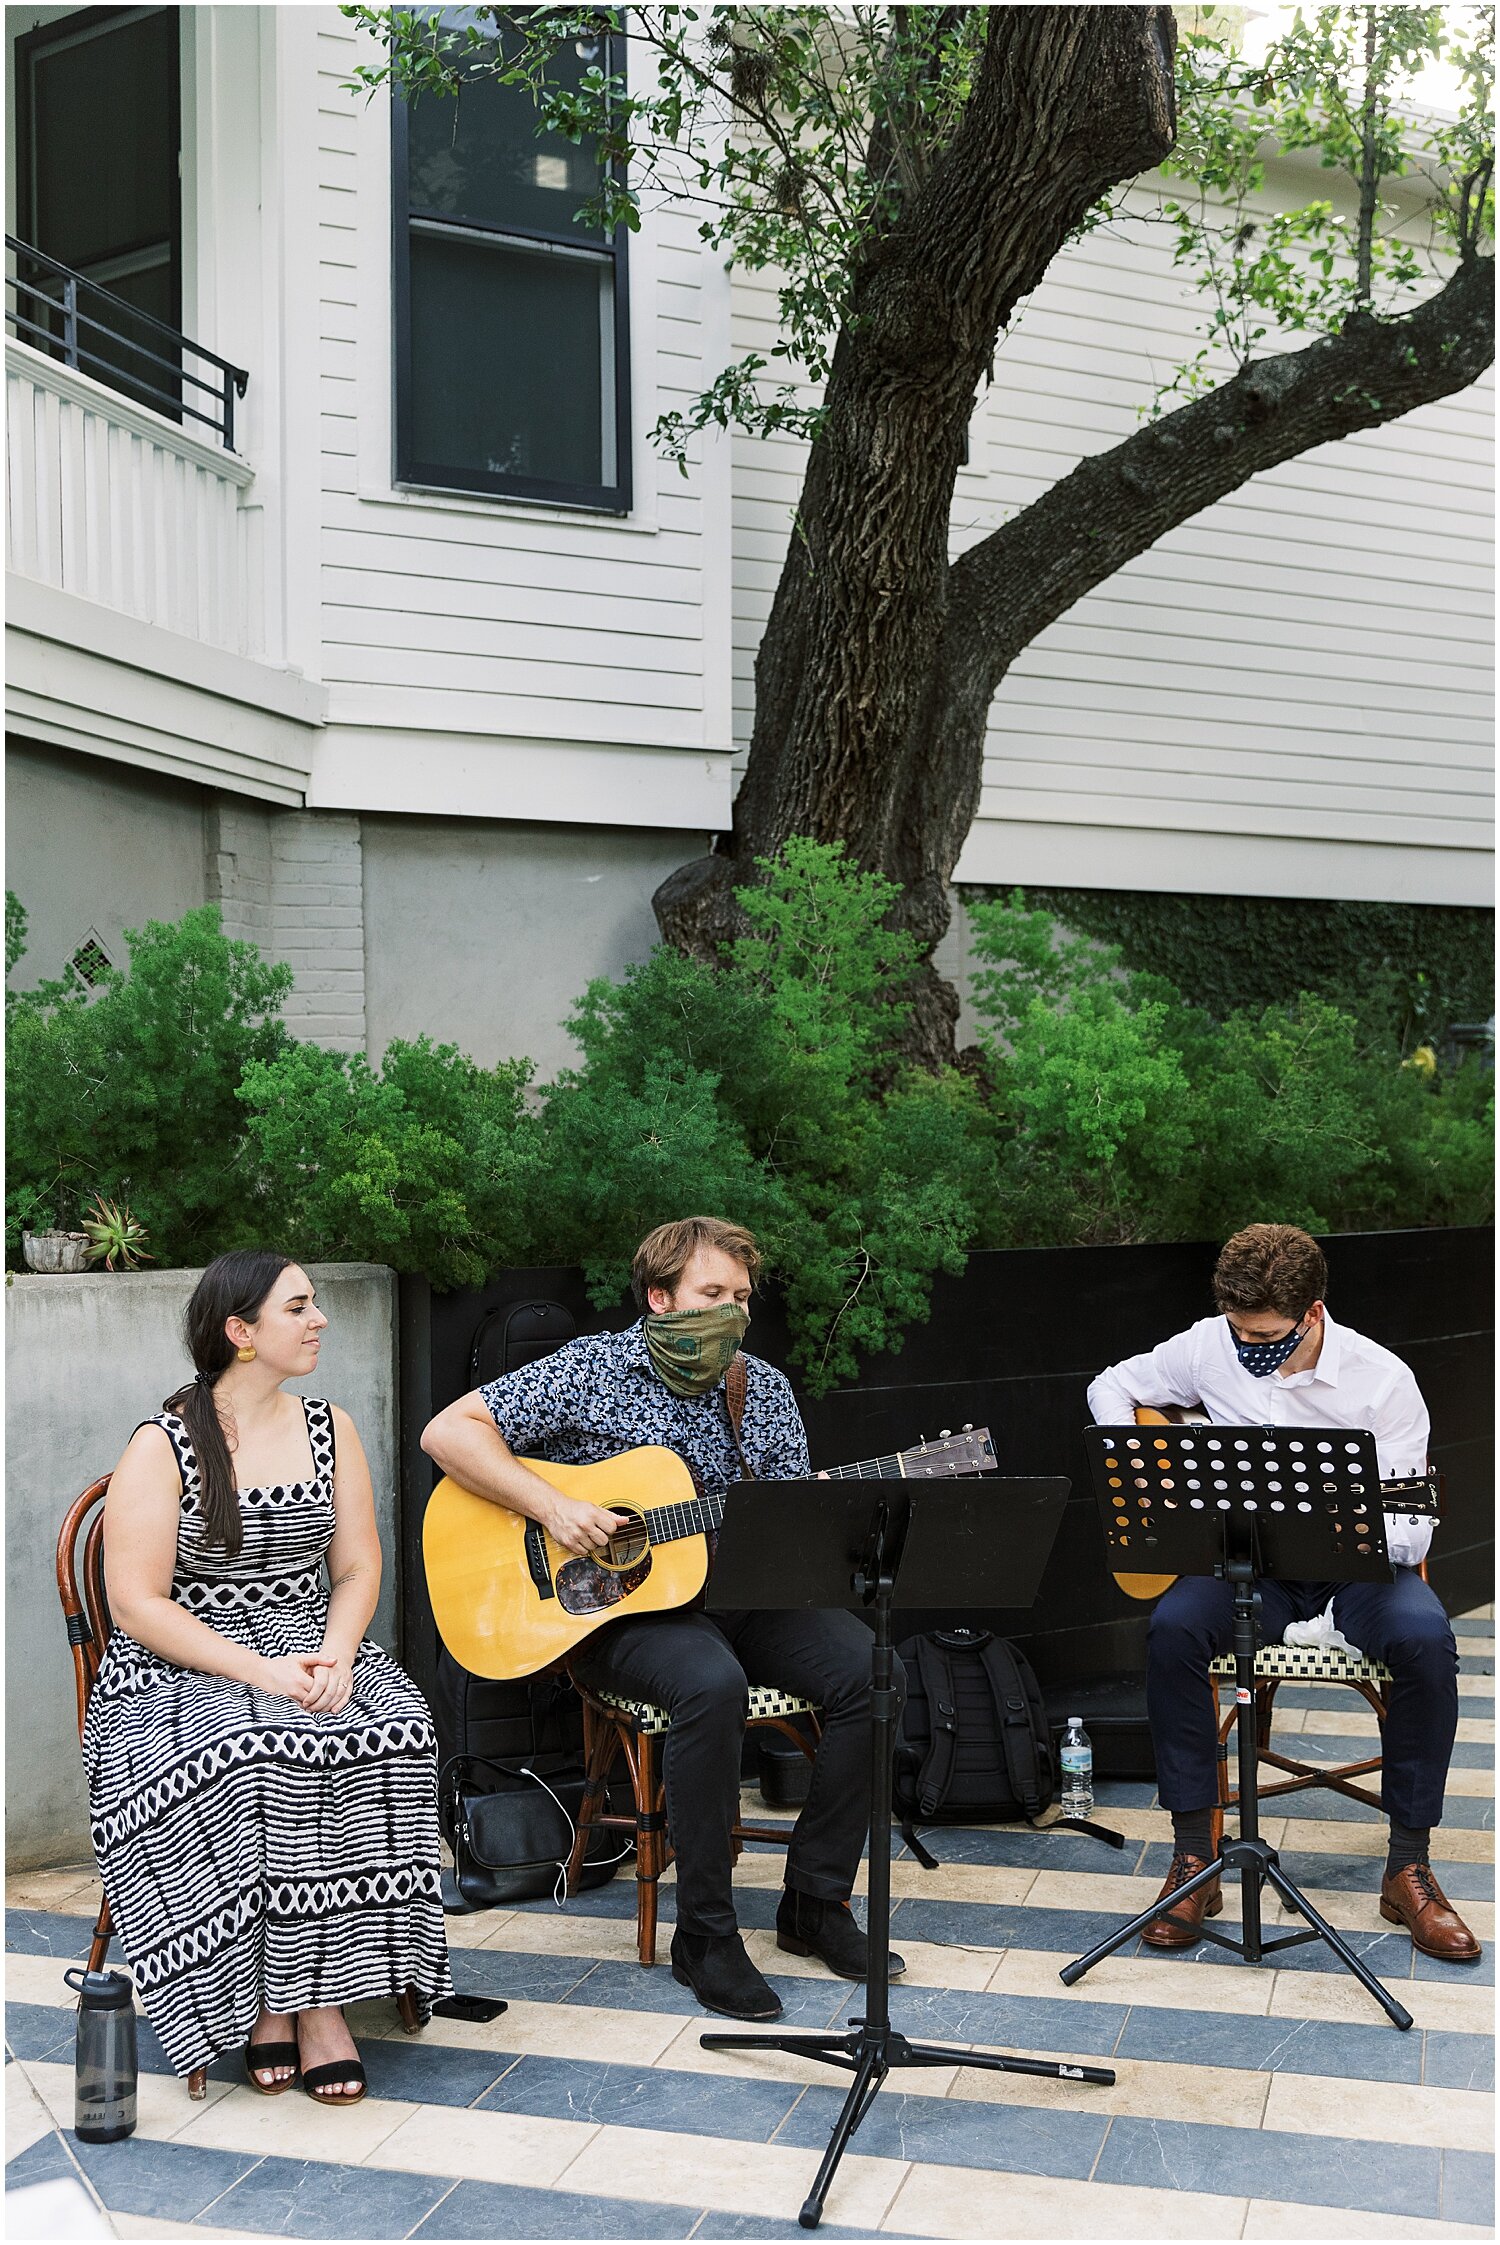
[[1355, 1383]]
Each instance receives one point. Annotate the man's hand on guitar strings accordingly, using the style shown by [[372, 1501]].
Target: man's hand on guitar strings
[[580, 1526]]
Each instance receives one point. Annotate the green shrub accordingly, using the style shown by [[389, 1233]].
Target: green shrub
[[130, 1090], [1414, 967], [1126, 1113], [754, 1090], [424, 1163], [1107, 1108]]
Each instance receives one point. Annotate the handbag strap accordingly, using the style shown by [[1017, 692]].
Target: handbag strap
[[736, 1388]]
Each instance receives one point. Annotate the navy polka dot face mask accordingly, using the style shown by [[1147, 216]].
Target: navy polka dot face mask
[[1261, 1358]]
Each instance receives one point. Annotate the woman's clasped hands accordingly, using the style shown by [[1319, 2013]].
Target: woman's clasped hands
[[321, 1682]]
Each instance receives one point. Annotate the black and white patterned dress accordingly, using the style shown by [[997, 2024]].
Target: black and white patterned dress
[[254, 1853]]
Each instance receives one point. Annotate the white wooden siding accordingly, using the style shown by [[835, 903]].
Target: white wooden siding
[[457, 620], [1290, 694]]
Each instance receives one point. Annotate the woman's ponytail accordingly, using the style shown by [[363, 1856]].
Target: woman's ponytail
[[234, 1285]]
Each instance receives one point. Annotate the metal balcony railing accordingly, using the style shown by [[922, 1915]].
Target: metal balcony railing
[[88, 327]]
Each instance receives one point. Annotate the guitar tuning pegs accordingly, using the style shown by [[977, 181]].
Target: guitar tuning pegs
[[968, 1426], [945, 1434]]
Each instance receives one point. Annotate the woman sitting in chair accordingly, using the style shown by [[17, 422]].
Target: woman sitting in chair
[[262, 1778]]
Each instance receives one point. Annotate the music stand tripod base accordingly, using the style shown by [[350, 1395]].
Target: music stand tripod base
[[941, 1540], [1299, 1502]]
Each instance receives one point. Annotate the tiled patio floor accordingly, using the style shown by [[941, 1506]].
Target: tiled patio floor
[[1250, 2103]]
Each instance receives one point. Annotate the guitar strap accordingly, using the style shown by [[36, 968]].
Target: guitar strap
[[736, 1386]]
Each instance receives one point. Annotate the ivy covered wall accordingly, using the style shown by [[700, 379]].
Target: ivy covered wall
[[1226, 952]]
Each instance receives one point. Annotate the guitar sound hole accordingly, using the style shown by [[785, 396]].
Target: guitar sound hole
[[627, 1546]]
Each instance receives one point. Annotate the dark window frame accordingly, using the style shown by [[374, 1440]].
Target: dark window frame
[[408, 471]]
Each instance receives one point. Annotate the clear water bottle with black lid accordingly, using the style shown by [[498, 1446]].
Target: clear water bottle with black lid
[[104, 2079], [1076, 1755]]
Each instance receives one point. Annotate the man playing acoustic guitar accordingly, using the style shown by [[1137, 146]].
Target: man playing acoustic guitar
[[662, 1381], [1274, 1354]]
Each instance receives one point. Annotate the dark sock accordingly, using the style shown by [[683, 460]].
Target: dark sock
[[1192, 1832], [1409, 1844]]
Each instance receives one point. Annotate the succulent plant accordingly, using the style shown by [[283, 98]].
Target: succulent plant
[[115, 1237]]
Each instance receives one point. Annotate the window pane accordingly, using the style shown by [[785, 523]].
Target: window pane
[[512, 362], [479, 158], [104, 141]]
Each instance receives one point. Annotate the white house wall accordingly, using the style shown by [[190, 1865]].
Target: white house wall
[[1290, 695], [503, 659]]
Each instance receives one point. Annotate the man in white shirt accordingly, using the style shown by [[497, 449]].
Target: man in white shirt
[[1275, 1356]]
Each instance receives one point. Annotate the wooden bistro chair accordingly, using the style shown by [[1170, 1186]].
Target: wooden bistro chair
[[631, 1729], [85, 1605], [1276, 1665]]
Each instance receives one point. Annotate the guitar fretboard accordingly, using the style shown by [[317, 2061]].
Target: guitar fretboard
[[698, 1516]]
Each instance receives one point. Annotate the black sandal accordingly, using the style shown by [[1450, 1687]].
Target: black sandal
[[260, 2056], [324, 2077]]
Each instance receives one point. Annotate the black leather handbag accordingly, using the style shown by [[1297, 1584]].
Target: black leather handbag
[[511, 1829]]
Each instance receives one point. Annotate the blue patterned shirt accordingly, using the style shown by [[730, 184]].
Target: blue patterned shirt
[[601, 1394]]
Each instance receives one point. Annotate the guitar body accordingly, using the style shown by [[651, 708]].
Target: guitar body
[[486, 1565], [1152, 1586]]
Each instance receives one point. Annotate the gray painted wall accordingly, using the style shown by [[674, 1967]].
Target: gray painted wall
[[88, 1358], [90, 844], [483, 935]]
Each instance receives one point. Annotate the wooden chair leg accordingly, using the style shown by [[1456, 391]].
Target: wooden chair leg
[[103, 1934], [1222, 1728], [198, 2084], [600, 1741], [650, 1845]]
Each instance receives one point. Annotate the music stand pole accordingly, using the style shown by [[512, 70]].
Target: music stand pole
[[1255, 1861], [871, 2047]]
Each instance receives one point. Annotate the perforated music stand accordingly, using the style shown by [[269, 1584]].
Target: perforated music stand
[[1302, 1503], [788, 1544]]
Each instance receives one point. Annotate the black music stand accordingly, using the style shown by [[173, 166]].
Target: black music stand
[[1303, 1503], [837, 1543]]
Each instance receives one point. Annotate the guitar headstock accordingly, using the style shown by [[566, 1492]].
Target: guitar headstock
[[972, 1450]]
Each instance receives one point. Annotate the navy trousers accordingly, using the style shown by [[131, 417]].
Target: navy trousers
[[1401, 1623]]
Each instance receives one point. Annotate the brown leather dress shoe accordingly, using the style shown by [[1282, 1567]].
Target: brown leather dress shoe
[[1206, 1903], [1414, 1899]]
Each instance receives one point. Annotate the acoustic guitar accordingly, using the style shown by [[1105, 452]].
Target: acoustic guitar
[[508, 1600], [1152, 1586]]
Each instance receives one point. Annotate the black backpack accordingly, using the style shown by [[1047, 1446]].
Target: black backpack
[[975, 1745]]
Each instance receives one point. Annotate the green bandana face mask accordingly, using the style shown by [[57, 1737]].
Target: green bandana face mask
[[692, 1349]]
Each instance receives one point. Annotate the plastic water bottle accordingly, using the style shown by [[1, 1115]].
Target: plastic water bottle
[[1077, 1758], [104, 2082]]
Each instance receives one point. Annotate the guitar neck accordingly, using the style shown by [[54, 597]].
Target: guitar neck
[[697, 1516]]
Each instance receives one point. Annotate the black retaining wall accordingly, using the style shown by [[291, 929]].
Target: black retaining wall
[[1012, 1344]]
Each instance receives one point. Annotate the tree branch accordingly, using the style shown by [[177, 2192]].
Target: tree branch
[[1067, 102], [1116, 504]]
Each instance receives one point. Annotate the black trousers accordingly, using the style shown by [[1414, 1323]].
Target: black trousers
[[1401, 1623], [699, 1667]]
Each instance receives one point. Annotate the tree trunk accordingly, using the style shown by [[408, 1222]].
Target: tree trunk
[[848, 705], [880, 661]]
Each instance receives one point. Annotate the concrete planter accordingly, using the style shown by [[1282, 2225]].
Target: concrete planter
[[55, 1252], [88, 1358]]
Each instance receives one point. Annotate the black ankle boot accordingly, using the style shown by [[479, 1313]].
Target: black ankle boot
[[721, 1976], [809, 1927]]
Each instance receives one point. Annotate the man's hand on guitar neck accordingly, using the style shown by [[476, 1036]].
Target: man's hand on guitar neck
[[468, 1446]]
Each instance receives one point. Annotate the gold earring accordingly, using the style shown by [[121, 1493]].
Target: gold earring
[[246, 1355]]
